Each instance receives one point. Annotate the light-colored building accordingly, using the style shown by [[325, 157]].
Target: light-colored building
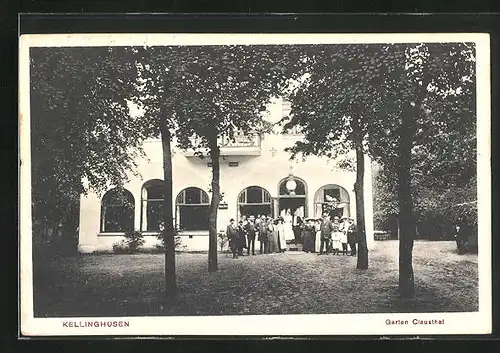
[[255, 177]]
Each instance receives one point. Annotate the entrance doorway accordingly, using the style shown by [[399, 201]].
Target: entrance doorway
[[292, 204], [294, 200], [292, 207]]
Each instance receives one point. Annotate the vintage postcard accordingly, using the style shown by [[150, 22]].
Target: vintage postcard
[[255, 184]]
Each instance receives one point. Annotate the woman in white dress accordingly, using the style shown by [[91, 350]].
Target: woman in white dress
[[281, 234], [317, 226], [287, 226]]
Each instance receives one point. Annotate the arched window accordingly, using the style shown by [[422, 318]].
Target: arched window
[[152, 197], [300, 188], [192, 207], [117, 211], [333, 199], [254, 201]]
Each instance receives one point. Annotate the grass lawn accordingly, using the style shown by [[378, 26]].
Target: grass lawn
[[290, 283]]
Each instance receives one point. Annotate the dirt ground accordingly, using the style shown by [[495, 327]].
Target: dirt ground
[[290, 283]]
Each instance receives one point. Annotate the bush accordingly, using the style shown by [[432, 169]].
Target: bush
[[121, 247], [131, 244], [134, 240]]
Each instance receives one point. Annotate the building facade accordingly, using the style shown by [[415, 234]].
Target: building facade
[[257, 177]]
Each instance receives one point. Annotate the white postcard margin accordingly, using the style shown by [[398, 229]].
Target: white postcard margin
[[264, 325]]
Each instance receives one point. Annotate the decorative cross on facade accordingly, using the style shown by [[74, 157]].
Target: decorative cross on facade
[[273, 151]]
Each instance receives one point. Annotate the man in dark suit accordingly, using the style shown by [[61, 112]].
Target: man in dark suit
[[297, 225], [242, 239], [352, 236], [326, 229], [232, 236], [250, 230], [262, 229], [461, 237]]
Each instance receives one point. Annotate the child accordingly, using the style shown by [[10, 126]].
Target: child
[[343, 237], [336, 236]]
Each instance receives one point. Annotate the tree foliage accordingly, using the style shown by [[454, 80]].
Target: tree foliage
[[440, 81], [225, 90], [338, 99], [82, 135]]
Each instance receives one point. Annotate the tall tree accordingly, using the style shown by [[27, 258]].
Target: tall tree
[[158, 90], [197, 95], [432, 85], [335, 108], [225, 90]]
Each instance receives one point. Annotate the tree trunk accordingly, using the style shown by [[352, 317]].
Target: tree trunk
[[168, 217], [214, 205], [362, 263], [406, 219], [69, 236]]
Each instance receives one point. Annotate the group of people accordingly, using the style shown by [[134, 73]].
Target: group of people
[[268, 231], [337, 236], [276, 235]]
